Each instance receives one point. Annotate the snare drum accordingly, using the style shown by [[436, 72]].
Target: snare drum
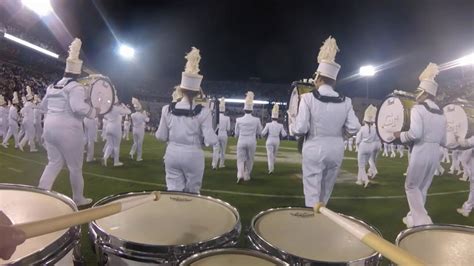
[[164, 231], [25, 204], [301, 237], [101, 92], [439, 244], [299, 88], [393, 115], [460, 123], [232, 256]]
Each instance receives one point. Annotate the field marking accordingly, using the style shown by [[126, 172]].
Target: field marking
[[241, 193], [14, 170]]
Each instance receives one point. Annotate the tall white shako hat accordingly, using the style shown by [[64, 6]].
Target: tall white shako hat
[[2, 100], [29, 94], [23, 99], [73, 63], [190, 78], [136, 104], [176, 95], [222, 104], [15, 99], [370, 113], [275, 111], [36, 99], [249, 101], [427, 82], [326, 58]]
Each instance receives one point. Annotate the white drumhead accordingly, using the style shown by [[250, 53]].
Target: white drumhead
[[102, 95], [293, 109], [232, 259], [457, 124], [172, 220], [441, 247], [300, 232], [25, 206], [390, 118]]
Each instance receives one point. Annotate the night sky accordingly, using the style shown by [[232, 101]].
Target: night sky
[[276, 41]]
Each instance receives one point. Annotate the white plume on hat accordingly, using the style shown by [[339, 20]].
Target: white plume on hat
[[15, 99], [222, 104], [326, 59], [2, 100], [29, 93], [73, 63], [427, 79], [370, 113], [136, 104], [190, 78], [36, 98], [275, 111], [249, 101], [176, 95]]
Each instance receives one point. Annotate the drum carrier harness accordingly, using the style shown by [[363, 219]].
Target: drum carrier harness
[[329, 99], [432, 110], [185, 112]]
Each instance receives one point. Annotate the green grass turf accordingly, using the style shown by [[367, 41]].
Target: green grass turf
[[385, 213]]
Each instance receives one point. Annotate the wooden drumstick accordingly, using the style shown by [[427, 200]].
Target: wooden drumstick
[[384, 247], [53, 224]]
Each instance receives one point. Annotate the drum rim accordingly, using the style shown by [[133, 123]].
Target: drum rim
[[62, 245], [145, 252], [430, 227], [244, 251], [95, 80], [396, 95], [273, 250]]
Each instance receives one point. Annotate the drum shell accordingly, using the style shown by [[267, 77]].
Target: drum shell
[[108, 245], [259, 243], [68, 242], [468, 110], [89, 81], [197, 257], [408, 102], [299, 88]]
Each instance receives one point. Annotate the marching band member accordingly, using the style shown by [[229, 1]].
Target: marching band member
[[12, 122], [66, 106], [38, 119], [350, 143], [103, 134], [126, 128], [427, 132], [113, 132], [400, 150], [3, 117], [455, 162], [90, 131], [274, 131], [28, 122], [322, 118], [372, 172], [218, 152], [184, 125], [247, 129], [393, 149], [139, 120], [445, 155], [467, 206], [367, 141], [385, 150]]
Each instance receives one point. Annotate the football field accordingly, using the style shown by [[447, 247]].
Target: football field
[[382, 204]]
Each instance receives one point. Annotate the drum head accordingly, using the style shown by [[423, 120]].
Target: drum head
[[302, 233], [102, 95], [293, 109], [390, 118], [24, 204], [440, 245], [457, 124], [231, 256], [176, 219]]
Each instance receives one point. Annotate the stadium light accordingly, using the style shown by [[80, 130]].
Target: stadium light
[[30, 45], [40, 7], [467, 60], [126, 51], [367, 71]]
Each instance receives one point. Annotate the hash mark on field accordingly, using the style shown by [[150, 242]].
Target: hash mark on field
[[15, 170], [240, 193]]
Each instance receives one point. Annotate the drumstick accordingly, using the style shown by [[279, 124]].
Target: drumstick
[[53, 224], [387, 249]]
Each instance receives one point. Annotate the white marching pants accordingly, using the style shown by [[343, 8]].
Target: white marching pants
[[465, 159], [12, 131], [113, 140], [272, 146], [364, 154], [322, 159], [91, 135], [455, 162], [445, 155], [246, 147], [218, 152], [184, 166], [39, 132], [469, 204], [126, 133], [30, 133], [64, 143], [137, 147]]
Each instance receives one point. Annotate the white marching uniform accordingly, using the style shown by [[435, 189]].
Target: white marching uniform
[[4, 119], [400, 149], [184, 157], [468, 205], [28, 123], [385, 150], [323, 150], [103, 134], [464, 159], [455, 162], [368, 143], [12, 126], [126, 130], [90, 131], [247, 128], [139, 120], [274, 131], [63, 134], [350, 143], [428, 132], [113, 132], [38, 122], [393, 149], [445, 158], [218, 151]]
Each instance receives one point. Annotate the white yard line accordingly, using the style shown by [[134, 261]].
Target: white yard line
[[15, 170]]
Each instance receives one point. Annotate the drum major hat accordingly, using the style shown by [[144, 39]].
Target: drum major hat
[[190, 78], [427, 82], [222, 105], [2, 100], [370, 113], [136, 104], [249, 101], [73, 63], [326, 59], [275, 111], [29, 93]]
